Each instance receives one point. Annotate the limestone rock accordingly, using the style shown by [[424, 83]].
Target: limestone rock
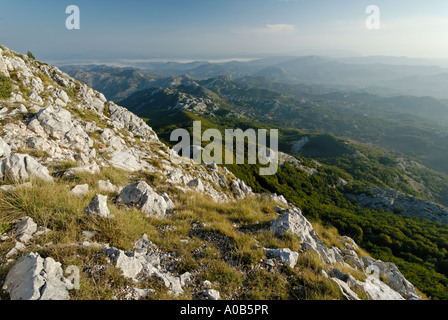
[[211, 294], [196, 184], [348, 293], [80, 190], [35, 278], [393, 278], [394, 201], [139, 262], [107, 186], [128, 263], [91, 169], [22, 167], [240, 189], [98, 206], [22, 109], [143, 197], [25, 229], [5, 150], [177, 176], [292, 221], [124, 119], [126, 161], [285, 255], [58, 124], [278, 198]]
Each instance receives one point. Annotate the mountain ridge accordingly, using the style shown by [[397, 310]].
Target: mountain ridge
[[71, 134]]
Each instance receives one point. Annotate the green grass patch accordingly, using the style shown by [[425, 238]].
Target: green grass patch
[[5, 87]]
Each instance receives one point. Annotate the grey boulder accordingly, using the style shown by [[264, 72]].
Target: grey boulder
[[25, 229], [143, 197], [285, 255], [5, 150], [22, 167], [98, 206], [35, 278]]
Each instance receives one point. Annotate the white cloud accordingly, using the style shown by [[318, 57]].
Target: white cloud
[[275, 28], [268, 29]]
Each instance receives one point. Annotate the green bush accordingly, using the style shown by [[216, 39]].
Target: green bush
[[5, 87], [30, 55]]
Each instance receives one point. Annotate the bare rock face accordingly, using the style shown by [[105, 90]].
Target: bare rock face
[[395, 287], [122, 118], [397, 202], [35, 278], [58, 124], [143, 197], [3, 68], [393, 277], [126, 161], [292, 221]]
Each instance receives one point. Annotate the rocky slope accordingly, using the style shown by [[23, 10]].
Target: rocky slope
[[160, 226], [399, 203], [114, 83]]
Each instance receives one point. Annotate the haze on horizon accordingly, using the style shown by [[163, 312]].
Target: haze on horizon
[[218, 29]]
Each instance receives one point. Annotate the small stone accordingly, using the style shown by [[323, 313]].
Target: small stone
[[98, 206], [80, 190], [211, 294], [25, 229], [196, 184], [22, 109], [13, 252], [185, 277], [107, 186], [206, 284], [270, 262], [285, 255], [89, 234]]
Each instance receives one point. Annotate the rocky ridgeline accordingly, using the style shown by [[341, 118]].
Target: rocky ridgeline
[[52, 118], [399, 203]]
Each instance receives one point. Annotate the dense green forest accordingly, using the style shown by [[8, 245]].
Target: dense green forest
[[418, 246]]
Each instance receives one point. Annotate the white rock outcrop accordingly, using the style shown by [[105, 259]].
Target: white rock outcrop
[[141, 263], [36, 278], [22, 167]]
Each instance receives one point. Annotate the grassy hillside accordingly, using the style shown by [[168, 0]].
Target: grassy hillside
[[218, 242], [419, 247]]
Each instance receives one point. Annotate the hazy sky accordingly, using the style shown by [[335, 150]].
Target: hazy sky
[[413, 28]]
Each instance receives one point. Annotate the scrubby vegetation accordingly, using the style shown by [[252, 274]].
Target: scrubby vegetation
[[217, 242], [419, 247], [5, 87]]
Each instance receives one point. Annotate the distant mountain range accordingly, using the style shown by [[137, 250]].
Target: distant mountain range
[[386, 76]]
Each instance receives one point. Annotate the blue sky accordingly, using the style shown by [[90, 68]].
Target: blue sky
[[178, 28]]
